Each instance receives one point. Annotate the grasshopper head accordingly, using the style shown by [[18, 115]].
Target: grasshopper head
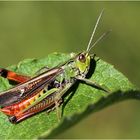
[[83, 59], [83, 62]]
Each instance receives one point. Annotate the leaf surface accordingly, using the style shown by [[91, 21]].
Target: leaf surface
[[79, 101]]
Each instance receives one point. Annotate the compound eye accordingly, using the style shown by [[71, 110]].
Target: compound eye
[[82, 58]]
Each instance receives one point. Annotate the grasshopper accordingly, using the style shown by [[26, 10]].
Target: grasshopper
[[45, 91]]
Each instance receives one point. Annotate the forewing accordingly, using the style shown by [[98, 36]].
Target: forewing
[[28, 88]]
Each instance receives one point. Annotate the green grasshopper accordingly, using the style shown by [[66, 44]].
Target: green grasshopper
[[45, 91]]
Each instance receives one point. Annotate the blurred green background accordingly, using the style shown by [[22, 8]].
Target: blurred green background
[[35, 29]]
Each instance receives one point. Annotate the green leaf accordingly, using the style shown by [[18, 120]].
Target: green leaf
[[79, 102]]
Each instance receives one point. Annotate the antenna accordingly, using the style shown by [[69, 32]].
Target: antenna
[[93, 33], [101, 37]]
